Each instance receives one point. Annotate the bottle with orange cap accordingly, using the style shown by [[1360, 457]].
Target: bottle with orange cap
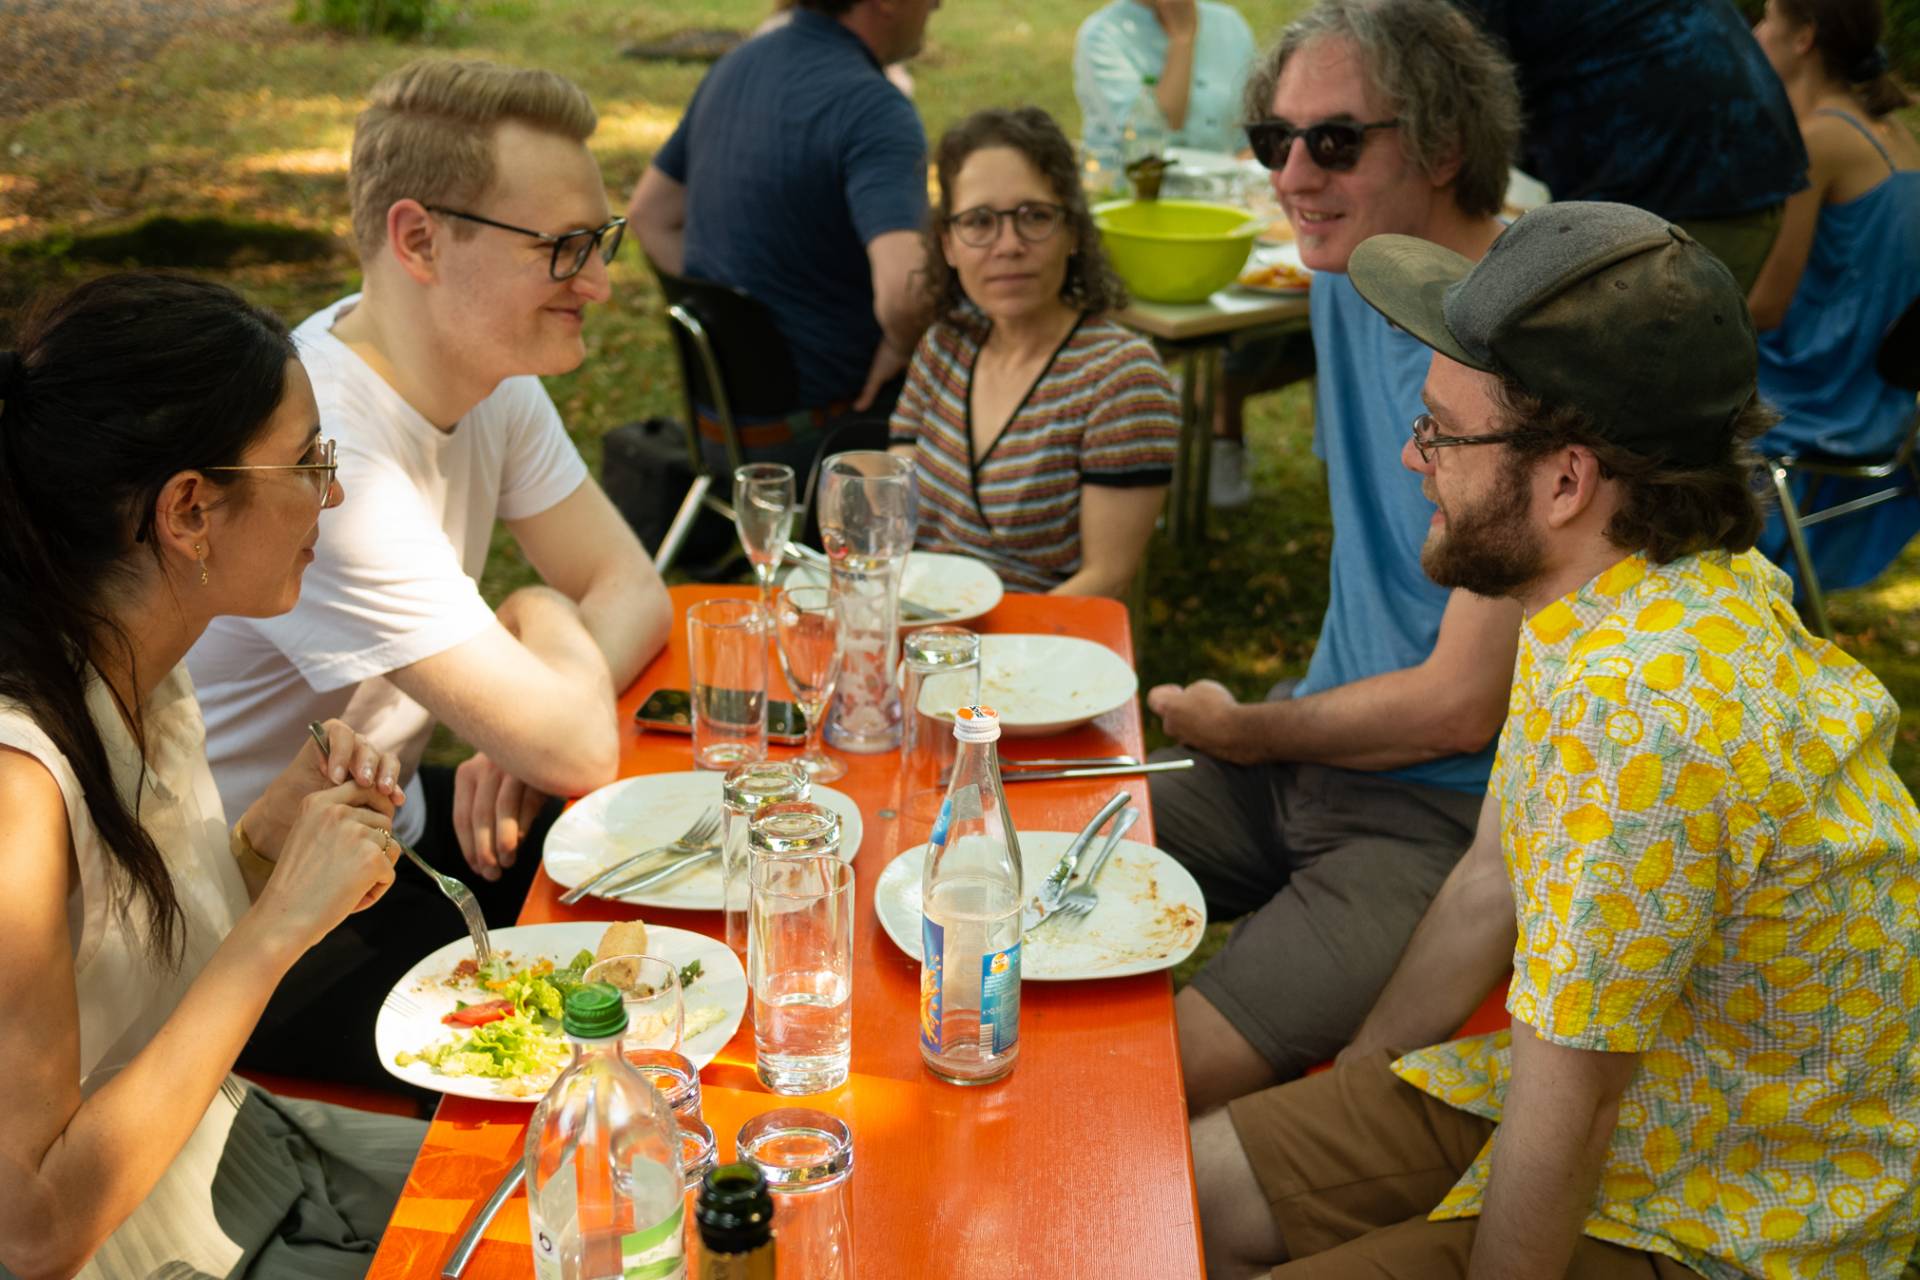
[[970, 937]]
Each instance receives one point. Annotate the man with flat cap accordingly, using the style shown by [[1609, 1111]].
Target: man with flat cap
[[1694, 855]]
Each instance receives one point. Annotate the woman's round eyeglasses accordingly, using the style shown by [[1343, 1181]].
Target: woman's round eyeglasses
[[1427, 437], [317, 465], [1033, 221], [570, 251]]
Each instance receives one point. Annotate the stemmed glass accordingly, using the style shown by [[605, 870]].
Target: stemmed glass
[[763, 513], [808, 628]]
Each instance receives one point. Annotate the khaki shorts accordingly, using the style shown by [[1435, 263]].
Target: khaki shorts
[[1353, 1159]]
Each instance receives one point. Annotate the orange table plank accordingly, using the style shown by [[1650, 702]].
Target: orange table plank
[[1075, 1165]]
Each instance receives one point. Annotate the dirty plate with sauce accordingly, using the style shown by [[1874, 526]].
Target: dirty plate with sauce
[[1150, 915]]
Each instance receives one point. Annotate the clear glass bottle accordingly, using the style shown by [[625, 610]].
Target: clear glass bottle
[[604, 1190], [970, 935]]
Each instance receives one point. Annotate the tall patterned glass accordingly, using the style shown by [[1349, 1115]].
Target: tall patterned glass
[[869, 504]]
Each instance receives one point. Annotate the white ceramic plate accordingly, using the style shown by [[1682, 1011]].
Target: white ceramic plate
[[635, 814], [1150, 915], [1047, 684], [410, 1018], [957, 588], [1267, 255]]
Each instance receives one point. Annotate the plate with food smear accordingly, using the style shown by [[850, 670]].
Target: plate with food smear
[[1048, 684], [1150, 913], [493, 1032], [1276, 270], [636, 814], [936, 588]]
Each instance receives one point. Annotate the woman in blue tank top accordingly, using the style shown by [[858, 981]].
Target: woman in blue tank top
[[1846, 264]]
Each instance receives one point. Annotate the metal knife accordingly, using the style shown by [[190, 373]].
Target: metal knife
[[1095, 771], [1054, 887]]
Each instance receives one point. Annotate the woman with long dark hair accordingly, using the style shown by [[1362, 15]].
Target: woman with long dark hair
[[1846, 264], [1042, 431], [160, 464]]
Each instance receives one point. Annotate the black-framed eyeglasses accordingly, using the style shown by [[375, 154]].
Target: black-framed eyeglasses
[[317, 464], [1033, 221], [1427, 437], [1334, 145], [570, 250]]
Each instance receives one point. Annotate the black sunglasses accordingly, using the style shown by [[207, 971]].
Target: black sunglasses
[[569, 251], [1334, 145]]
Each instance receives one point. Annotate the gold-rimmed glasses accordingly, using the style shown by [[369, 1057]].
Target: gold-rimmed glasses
[[1427, 437], [320, 470]]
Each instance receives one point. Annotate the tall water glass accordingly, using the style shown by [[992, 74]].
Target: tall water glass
[[746, 790], [727, 663], [806, 1156], [800, 962], [941, 671], [763, 515], [868, 508], [808, 629]]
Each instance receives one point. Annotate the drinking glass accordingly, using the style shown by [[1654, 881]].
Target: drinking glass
[[672, 1073], [727, 663], [650, 989], [942, 672], [806, 1156], [800, 963], [808, 629], [696, 1162], [748, 789], [763, 514], [868, 507]]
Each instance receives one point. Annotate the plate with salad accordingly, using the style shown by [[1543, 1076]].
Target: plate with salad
[[493, 1032]]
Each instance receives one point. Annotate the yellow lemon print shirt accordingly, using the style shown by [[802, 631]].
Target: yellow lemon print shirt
[[1714, 866]]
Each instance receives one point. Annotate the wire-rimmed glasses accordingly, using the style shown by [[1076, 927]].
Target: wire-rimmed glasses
[[808, 630], [570, 247], [318, 464], [763, 514], [1033, 221], [1427, 437]]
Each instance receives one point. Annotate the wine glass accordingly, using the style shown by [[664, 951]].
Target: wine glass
[[763, 513], [650, 989], [808, 629]]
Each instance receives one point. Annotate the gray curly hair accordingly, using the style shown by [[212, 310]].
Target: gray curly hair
[[1451, 86]]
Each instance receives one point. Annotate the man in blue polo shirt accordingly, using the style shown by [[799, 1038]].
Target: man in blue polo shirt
[[1328, 819], [799, 174]]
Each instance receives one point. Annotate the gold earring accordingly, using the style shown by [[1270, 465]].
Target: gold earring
[[202, 556]]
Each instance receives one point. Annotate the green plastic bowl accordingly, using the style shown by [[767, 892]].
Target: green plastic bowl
[[1175, 250]]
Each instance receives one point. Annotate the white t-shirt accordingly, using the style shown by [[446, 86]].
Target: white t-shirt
[[396, 570]]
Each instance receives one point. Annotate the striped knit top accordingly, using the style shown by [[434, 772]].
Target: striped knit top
[[1101, 412]]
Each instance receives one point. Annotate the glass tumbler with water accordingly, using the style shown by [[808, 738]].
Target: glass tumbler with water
[[868, 507], [970, 931], [727, 667], [941, 671], [806, 1157], [746, 790], [800, 964]]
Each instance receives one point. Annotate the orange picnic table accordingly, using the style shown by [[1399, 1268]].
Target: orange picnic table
[[1076, 1165]]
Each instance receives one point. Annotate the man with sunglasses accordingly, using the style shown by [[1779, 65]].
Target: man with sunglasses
[[799, 175], [1328, 816], [1695, 857], [484, 233]]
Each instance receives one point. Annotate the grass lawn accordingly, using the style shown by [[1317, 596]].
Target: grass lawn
[[251, 120]]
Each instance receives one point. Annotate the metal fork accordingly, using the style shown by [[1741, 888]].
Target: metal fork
[[1081, 899], [697, 838], [458, 893]]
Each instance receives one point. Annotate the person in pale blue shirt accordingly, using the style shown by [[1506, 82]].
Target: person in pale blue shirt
[[1200, 51]]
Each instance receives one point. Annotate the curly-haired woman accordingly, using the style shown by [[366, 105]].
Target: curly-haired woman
[[1042, 431]]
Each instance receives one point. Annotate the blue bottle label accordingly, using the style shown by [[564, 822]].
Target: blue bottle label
[[933, 942], [940, 825], [1000, 1000]]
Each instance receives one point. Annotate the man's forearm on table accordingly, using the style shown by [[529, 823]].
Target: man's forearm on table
[[628, 622], [1388, 721]]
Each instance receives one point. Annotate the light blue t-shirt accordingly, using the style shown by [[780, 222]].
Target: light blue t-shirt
[[1383, 612], [1121, 44]]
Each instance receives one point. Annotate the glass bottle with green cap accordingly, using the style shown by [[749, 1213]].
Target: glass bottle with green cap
[[604, 1191]]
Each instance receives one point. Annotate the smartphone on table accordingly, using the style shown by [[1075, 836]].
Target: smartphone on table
[[671, 710]]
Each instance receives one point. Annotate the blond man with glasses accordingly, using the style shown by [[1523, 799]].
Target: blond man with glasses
[[485, 235]]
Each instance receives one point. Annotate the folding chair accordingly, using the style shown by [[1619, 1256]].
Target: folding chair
[[732, 360], [1898, 361]]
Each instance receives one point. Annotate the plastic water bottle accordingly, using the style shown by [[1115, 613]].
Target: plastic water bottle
[[970, 937], [605, 1199], [1143, 140]]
